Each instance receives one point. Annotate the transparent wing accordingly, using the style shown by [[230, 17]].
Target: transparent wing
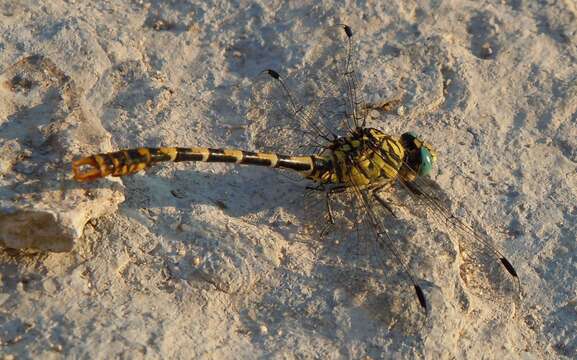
[[484, 269], [362, 243], [303, 112], [369, 250], [341, 81], [279, 123]]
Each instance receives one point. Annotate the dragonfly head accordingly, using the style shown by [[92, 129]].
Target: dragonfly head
[[419, 157]]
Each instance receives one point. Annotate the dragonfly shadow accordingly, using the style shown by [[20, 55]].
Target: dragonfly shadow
[[238, 192], [331, 298]]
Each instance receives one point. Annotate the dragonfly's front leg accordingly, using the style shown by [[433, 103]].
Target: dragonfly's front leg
[[384, 203]]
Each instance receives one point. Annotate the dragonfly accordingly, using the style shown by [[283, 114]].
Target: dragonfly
[[337, 152]]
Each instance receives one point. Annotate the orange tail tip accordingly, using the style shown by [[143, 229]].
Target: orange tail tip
[[86, 169]]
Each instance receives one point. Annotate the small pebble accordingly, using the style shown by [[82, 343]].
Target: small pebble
[[50, 285], [196, 261], [486, 51]]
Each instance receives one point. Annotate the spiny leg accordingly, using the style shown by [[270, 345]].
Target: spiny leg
[[375, 192], [331, 192], [384, 204], [328, 194]]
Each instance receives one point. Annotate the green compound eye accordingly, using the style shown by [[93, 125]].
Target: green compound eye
[[424, 156], [426, 162]]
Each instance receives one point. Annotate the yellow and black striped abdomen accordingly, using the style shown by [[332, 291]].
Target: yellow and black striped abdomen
[[125, 162]]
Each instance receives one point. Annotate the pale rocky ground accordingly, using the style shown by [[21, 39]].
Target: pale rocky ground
[[195, 262]]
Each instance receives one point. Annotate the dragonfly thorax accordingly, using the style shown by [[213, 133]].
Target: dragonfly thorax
[[365, 157], [369, 157]]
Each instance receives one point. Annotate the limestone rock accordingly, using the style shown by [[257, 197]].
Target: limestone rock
[[43, 121]]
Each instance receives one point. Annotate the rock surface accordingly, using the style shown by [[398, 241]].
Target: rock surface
[[43, 121], [214, 261]]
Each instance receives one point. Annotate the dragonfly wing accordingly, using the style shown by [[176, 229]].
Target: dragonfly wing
[[350, 262], [306, 110], [484, 269]]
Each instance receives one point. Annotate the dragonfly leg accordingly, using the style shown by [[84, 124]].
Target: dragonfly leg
[[384, 203], [330, 208]]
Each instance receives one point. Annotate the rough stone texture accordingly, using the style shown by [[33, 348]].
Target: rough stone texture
[[43, 120], [210, 260]]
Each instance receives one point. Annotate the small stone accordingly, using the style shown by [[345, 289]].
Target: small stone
[[3, 298], [196, 261], [263, 330], [486, 51], [50, 286], [41, 207]]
